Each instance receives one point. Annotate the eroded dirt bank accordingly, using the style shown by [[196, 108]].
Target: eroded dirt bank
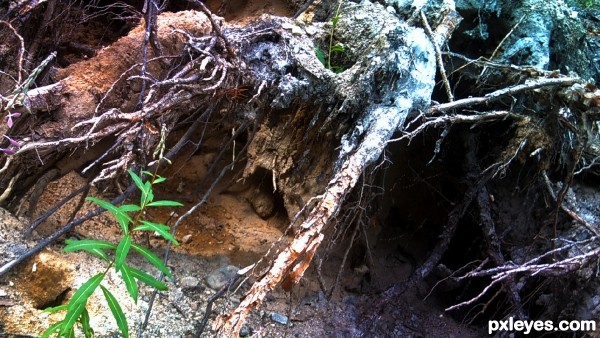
[[485, 200]]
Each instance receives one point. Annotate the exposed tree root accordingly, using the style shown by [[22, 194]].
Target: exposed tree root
[[311, 129]]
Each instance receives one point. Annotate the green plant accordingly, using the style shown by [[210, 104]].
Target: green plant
[[332, 48], [590, 4], [76, 308]]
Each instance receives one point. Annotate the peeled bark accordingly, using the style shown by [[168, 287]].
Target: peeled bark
[[315, 131]]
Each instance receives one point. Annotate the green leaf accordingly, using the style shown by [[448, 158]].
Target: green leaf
[[161, 229], [148, 280], [129, 207], [137, 180], [53, 328], [164, 203], [85, 323], [85, 244], [104, 204], [122, 251], [149, 192], [122, 218], [71, 317], [55, 309], [146, 172], [159, 179], [152, 258], [335, 20], [70, 333], [321, 55], [143, 187], [338, 48], [130, 282], [117, 312], [337, 69], [84, 292], [95, 247]]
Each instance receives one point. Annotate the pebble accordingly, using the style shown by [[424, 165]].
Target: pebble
[[155, 243], [244, 331], [310, 30], [263, 203], [217, 279], [279, 318], [297, 30], [186, 239], [189, 282]]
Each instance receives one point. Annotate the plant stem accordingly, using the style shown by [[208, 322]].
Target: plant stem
[[334, 24]]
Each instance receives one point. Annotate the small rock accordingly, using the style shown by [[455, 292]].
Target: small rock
[[311, 30], [3, 293], [263, 203], [186, 239], [245, 332], [217, 279], [154, 243], [279, 318], [189, 282], [297, 30]]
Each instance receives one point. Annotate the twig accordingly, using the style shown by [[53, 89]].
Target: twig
[[451, 119], [215, 26], [52, 210], [212, 299], [303, 8], [493, 96], [438, 57], [568, 211], [556, 269], [346, 253], [504, 38], [495, 251], [65, 229], [21, 48], [9, 188]]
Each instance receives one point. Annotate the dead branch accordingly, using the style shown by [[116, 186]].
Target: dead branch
[[438, 57], [496, 95], [62, 231], [215, 25], [556, 269], [21, 49], [568, 211], [449, 120], [495, 251]]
